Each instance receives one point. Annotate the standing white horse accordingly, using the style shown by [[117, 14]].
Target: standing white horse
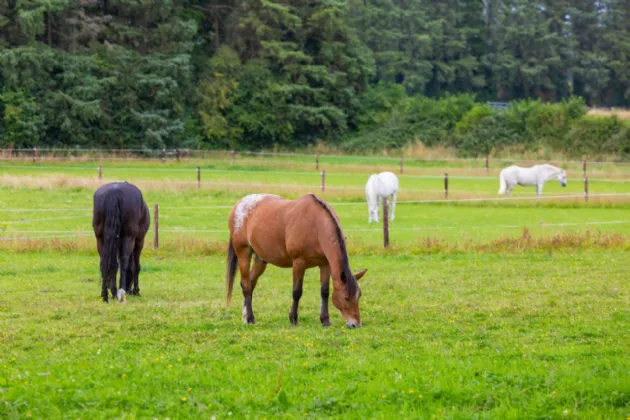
[[536, 175], [378, 187]]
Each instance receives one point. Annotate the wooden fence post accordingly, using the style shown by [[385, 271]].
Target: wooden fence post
[[100, 171], [187, 154], [317, 161], [401, 164], [446, 185], [323, 180], [584, 168], [586, 189], [34, 154], [385, 223], [177, 154], [233, 156], [487, 167], [155, 227], [198, 177], [163, 155]]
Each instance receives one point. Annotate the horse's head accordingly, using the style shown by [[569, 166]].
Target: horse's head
[[562, 177], [346, 298]]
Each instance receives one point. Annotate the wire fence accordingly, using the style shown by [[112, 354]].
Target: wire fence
[[332, 203], [67, 234], [187, 153], [222, 183]]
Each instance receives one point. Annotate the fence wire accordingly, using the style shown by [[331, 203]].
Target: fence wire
[[227, 154]]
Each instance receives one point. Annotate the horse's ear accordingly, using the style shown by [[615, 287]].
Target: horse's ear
[[360, 274]]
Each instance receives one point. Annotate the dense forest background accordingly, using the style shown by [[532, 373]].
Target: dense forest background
[[360, 74]]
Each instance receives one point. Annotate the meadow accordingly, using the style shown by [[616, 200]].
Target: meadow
[[479, 309]]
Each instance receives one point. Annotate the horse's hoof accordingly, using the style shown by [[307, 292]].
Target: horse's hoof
[[121, 295], [326, 324]]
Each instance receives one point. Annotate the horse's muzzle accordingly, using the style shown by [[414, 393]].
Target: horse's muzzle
[[353, 324]]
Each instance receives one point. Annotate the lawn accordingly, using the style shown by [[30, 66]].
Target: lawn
[[451, 335]]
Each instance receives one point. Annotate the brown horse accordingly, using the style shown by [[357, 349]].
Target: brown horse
[[301, 234]]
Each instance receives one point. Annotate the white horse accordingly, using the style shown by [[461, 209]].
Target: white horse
[[536, 175], [378, 187]]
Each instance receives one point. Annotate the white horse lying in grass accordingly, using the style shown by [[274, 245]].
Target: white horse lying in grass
[[536, 175], [378, 187]]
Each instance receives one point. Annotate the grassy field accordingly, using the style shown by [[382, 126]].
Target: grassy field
[[460, 335], [508, 309]]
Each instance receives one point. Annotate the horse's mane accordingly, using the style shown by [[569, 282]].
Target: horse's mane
[[555, 168], [351, 283]]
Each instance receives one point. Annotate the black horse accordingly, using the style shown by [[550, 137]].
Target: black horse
[[120, 220]]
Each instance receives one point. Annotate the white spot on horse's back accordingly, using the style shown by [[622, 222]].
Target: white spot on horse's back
[[245, 207]]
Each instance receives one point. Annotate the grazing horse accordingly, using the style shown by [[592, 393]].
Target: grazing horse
[[301, 234], [536, 175], [380, 187], [120, 220]]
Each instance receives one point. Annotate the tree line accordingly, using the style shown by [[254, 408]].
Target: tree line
[[287, 73]]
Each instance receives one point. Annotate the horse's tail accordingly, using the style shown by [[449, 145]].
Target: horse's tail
[[230, 272], [502, 184], [113, 226]]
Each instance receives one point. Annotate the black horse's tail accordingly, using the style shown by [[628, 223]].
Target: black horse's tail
[[113, 226], [230, 272]]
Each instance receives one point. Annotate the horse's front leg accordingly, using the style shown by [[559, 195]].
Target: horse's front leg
[[539, 188], [298, 278], [374, 214], [324, 278], [393, 206], [131, 269]]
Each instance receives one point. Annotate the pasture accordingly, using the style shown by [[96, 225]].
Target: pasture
[[494, 309]]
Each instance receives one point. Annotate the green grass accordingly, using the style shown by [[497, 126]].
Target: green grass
[[464, 316], [468, 335]]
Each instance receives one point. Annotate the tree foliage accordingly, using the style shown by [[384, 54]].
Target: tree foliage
[[262, 73]]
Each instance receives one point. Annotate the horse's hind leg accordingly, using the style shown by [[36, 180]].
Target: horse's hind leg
[[244, 256], [136, 259], [298, 279], [103, 268], [324, 278], [126, 249]]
